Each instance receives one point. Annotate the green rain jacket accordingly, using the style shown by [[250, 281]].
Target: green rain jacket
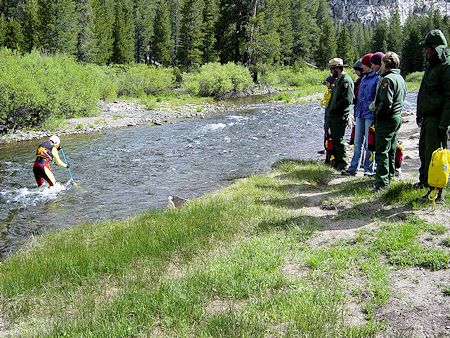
[[342, 97], [390, 95], [434, 92]]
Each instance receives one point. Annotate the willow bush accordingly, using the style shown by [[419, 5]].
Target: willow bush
[[35, 87], [214, 79], [138, 79]]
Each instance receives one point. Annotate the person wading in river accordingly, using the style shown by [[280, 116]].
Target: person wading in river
[[47, 152]]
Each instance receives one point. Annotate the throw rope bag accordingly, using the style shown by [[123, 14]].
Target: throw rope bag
[[438, 172], [371, 139], [399, 160], [329, 147]]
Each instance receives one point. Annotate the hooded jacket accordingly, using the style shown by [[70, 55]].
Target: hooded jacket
[[434, 92], [366, 95]]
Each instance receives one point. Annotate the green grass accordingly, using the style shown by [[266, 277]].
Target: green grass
[[237, 262]]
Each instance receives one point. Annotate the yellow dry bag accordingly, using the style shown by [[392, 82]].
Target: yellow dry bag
[[439, 168]]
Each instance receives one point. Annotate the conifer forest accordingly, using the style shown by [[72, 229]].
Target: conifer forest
[[189, 33]]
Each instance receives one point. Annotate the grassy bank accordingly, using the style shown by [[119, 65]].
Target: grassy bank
[[247, 260]]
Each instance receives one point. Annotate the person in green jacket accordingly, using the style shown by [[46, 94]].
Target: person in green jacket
[[388, 108], [339, 109], [433, 103]]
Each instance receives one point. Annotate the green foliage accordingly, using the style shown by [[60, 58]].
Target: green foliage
[[326, 44], [35, 87], [162, 44], [123, 33], [191, 35], [345, 49], [380, 37], [214, 79], [137, 80]]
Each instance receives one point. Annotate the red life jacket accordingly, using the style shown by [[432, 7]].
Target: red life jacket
[[44, 153]]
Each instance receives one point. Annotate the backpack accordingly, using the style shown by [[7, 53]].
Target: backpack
[[439, 168]]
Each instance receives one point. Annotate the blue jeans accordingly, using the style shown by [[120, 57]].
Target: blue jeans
[[361, 137]]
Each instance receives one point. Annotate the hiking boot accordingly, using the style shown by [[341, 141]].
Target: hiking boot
[[348, 173], [419, 185]]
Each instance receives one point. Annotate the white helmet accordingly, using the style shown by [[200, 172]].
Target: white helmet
[[55, 140]]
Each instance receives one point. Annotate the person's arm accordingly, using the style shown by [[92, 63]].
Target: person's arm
[[57, 159], [445, 116], [386, 96]]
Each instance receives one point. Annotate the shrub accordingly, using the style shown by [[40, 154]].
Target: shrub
[[294, 76], [214, 79], [137, 80], [35, 87], [414, 77]]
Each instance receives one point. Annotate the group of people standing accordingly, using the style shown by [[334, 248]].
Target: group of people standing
[[377, 96]]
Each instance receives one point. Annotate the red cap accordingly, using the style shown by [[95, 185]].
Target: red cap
[[366, 60]]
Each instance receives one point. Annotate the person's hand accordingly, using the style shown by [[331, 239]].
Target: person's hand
[[419, 121], [442, 134]]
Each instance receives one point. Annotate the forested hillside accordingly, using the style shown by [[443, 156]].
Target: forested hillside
[[189, 33]]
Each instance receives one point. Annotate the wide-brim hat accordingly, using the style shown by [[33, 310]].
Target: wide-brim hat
[[336, 62]]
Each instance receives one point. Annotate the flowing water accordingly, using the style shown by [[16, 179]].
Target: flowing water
[[126, 171]]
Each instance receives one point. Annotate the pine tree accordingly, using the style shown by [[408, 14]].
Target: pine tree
[[123, 32], [345, 49], [104, 18], [232, 36], [285, 31], [162, 43], [380, 37], [412, 58], [306, 33], [59, 28], [144, 18], [191, 37], [175, 7], [14, 38], [264, 47], [210, 17], [395, 35], [327, 46], [87, 48], [3, 30], [31, 24]]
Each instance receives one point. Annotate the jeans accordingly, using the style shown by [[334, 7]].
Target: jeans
[[361, 137]]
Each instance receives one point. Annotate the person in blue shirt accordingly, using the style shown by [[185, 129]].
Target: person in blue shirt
[[364, 119]]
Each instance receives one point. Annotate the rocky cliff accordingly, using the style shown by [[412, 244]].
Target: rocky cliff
[[371, 11]]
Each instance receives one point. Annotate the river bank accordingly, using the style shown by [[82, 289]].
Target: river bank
[[121, 114]]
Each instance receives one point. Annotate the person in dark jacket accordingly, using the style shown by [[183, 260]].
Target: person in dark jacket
[[339, 109], [388, 108], [433, 103], [364, 120]]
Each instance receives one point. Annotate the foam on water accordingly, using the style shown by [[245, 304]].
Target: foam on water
[[24, 197], [214, 126]]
